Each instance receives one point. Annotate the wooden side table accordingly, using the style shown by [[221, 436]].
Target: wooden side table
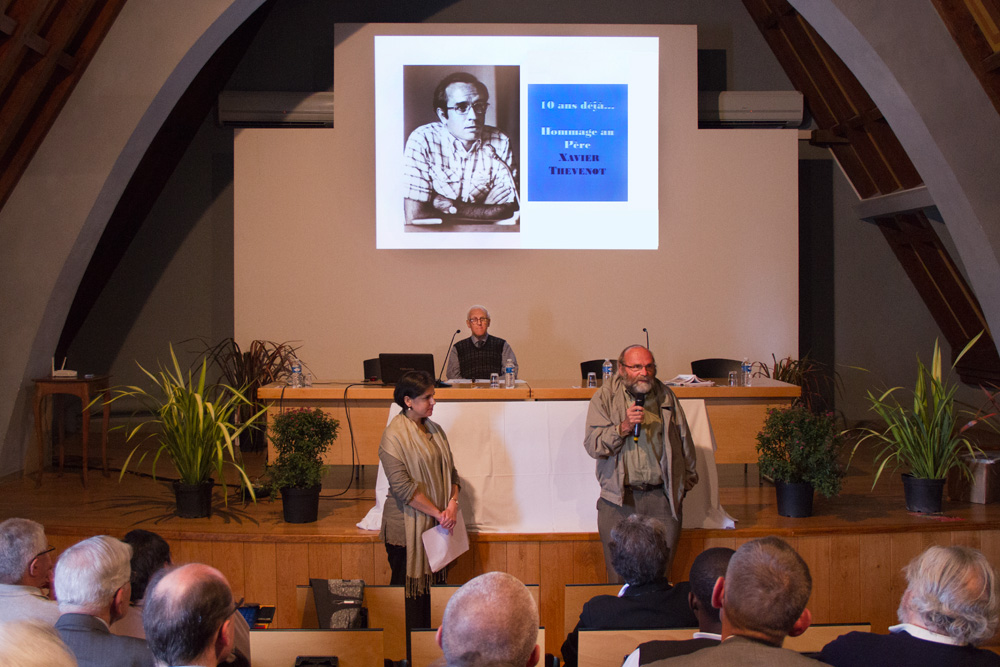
[[85, 388]]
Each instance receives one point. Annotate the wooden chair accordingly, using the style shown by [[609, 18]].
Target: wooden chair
[[353, 648], [441, 594], [574, 597], [609, 648], [424, 650], [386, 610], [817, 636]]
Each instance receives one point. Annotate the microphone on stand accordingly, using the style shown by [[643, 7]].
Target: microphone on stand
[[447, 352], [493, 151], [640, 400], [647, 337]]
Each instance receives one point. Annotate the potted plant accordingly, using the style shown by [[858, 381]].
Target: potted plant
[[927, 438], [799, 450], [191, 423], [261, 363], [300, 438]]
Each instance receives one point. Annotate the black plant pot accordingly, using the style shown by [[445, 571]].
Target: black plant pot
[[795, 499], [300, 505], [923, 495], [194, 501]]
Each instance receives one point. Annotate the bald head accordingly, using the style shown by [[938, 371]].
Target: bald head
[[492, 621], [184, 614]]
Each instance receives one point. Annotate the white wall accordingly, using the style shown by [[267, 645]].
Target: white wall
[[723, 283]]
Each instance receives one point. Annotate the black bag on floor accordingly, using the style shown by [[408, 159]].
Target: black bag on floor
[[340, 603]]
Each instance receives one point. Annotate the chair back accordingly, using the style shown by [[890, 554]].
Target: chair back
[[386, 610], [353, 648], [594, 366], [714, 368], [424, 650], [602, 648], [576, 595]]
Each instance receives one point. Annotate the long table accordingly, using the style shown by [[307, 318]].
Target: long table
[[735, 414]]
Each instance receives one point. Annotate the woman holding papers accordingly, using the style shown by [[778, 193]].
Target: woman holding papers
[[423, 492]]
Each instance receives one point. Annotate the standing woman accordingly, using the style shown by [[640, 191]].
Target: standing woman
[[423, 492]]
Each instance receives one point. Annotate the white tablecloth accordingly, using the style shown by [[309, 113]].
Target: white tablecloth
[[524, 468]]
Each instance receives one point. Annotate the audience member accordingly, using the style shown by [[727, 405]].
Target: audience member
[[763, 600], [92, 580], [707, 568], [491, 621], [188, 616], [639, 554], [32, 643], [25, 569], [150, 553], [949, 607]]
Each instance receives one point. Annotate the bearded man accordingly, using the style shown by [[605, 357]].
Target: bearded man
[[637, 432]]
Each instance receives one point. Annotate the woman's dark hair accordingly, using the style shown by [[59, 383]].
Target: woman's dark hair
[[411, 385], [150, 552]]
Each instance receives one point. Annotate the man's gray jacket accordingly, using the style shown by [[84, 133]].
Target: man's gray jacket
[[603, 442]]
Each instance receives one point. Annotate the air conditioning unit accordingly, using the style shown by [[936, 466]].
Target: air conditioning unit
[[275, 109], [737, 108]]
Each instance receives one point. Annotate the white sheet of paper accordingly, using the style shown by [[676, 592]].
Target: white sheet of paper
[[442, 547]]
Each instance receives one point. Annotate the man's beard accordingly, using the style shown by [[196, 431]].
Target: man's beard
[[639, 386]]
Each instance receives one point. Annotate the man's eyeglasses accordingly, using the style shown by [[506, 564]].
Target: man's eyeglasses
[[638, 367], [42, 553], [479, 107], [479, 320]]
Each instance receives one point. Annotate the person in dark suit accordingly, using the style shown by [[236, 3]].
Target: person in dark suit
[[92, 581], [639, 554], [707, 568], [763, 600], [949, 607]]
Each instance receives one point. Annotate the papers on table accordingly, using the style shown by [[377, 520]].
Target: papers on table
[[443, 546], [689, 381]]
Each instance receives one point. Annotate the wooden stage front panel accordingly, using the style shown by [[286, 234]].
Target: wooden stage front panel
[[736, 413]]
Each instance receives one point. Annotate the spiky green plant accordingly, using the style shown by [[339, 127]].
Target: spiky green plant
[[927, 437], [191, 423]]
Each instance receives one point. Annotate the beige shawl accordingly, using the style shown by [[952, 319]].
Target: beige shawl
[[428, 461]]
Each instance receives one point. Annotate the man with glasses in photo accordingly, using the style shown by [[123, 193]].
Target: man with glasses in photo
[[459, 166], [26, 563], [637, 432], [479, 355]]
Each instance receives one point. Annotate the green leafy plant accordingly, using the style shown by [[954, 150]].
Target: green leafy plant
[[261, 363], [798, 445], [928, 437], [191, 423], [300, 438], [812, 376]]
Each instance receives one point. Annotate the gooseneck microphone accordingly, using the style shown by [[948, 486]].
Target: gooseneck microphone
[[493, 152], [647, 337], [448, 352], [640, 400]]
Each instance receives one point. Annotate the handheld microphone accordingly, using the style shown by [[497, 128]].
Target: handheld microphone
[[448, 352], [640, 400], [647, 337]]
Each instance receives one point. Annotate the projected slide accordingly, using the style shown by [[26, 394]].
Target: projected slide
[[516, 142]]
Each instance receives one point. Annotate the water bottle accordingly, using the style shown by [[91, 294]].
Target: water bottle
[[508, 374], [295, 376], [745, 368], [606, 370]]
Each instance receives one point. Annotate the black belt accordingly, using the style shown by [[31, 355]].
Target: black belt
[[646, 487]]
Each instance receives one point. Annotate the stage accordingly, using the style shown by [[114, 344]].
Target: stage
[[855, 544]]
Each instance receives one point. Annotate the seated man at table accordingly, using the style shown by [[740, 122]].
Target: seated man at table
[[479, 355], [639, 554], [949, 607]]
